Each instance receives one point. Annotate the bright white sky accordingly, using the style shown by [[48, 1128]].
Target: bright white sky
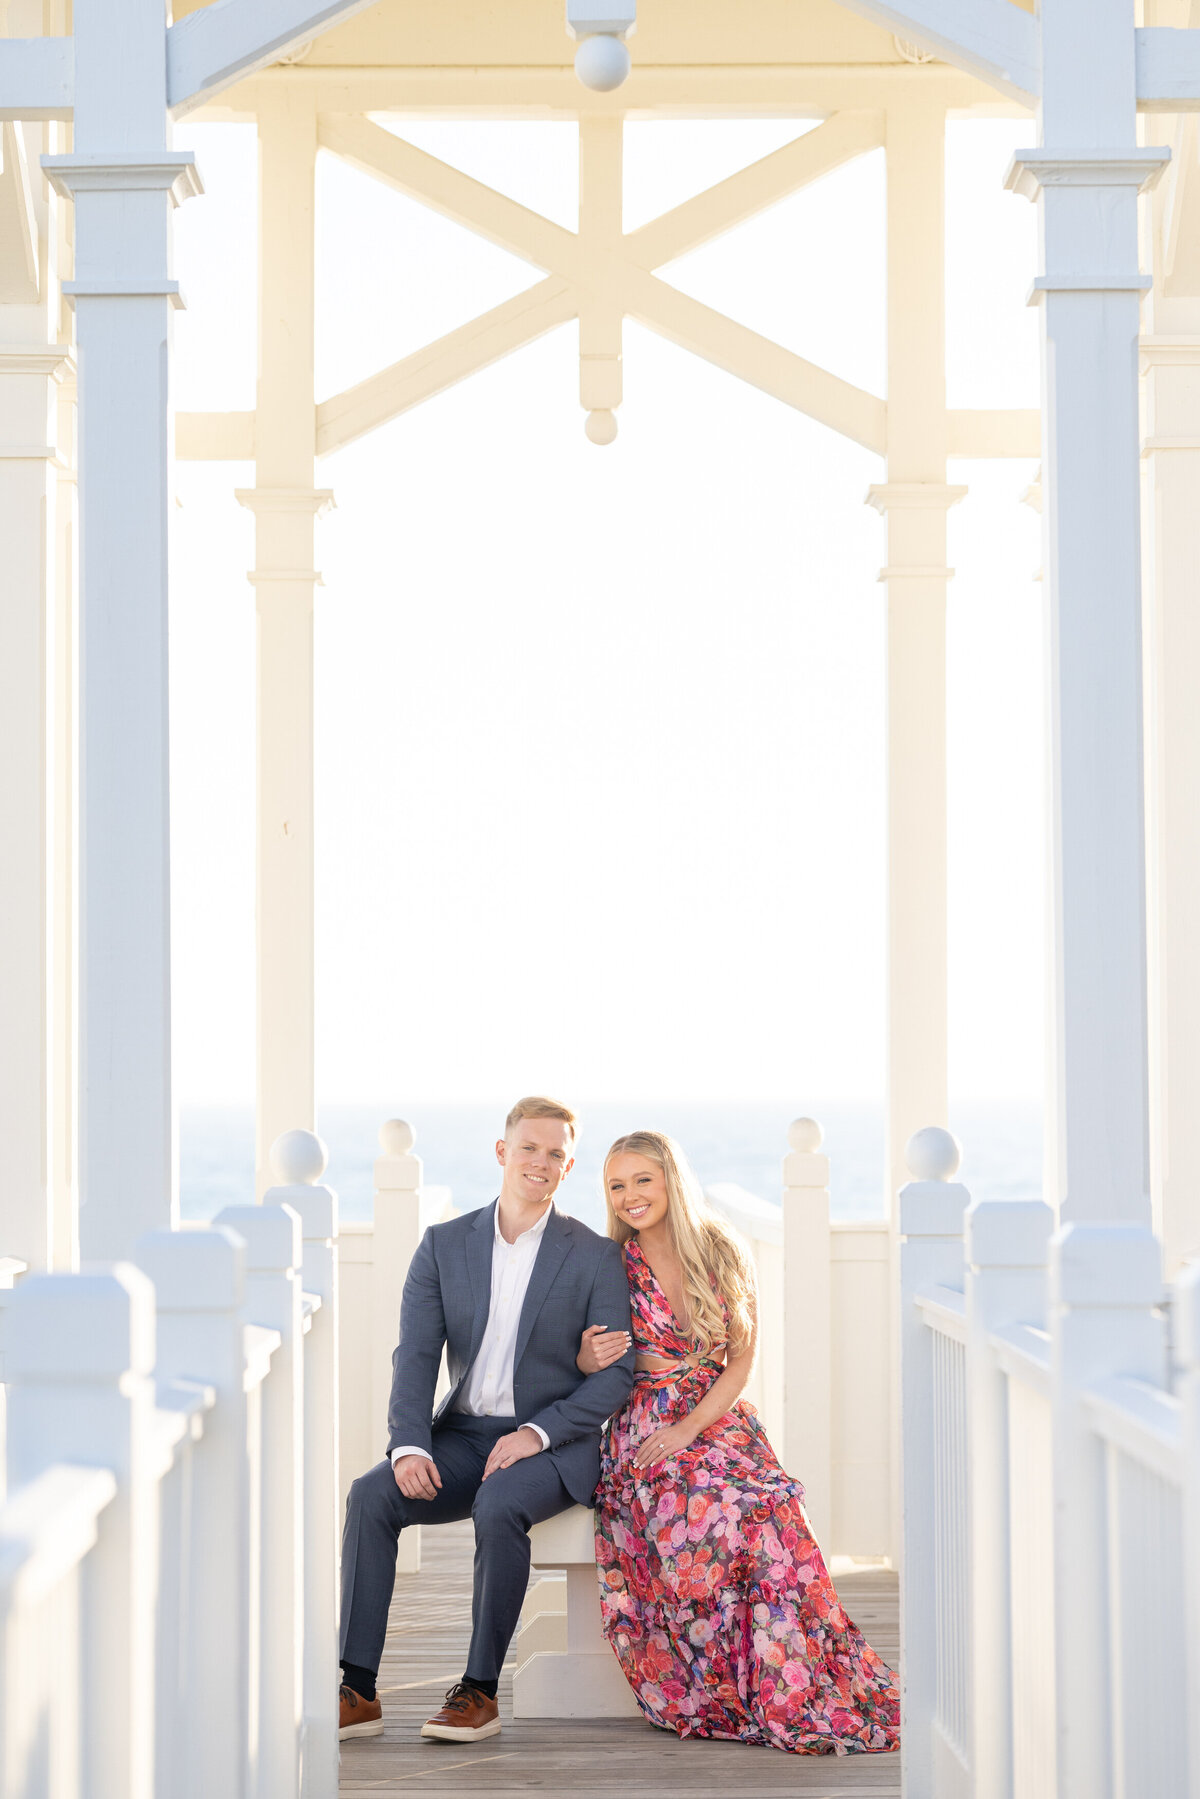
[[600, 731]]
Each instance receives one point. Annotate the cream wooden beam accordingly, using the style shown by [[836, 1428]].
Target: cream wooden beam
[[656, 91], [214, 436], [601, 311], [285, 503], [211, 49], [1168, 69], [994, 432], [229, 436], [456, 196], [428, 371], [768, 366], [989, 38], [37, 77], [752, 190], [528, 234], [599, 275]]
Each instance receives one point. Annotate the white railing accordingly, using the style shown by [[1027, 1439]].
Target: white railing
[[945, 1318], [1050, 1578], [933, 1377], [46, 1535], [822, 1383], [168, 1547], [1027, 1646], [1139, 1428]]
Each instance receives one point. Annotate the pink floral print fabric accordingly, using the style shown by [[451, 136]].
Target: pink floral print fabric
[[714, 1594]]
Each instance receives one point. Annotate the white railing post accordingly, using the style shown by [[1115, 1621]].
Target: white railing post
[[1187, 1355], [81, 1352], [273, 1300], [199, 1280], [1008, 1249], [1105, 1286], [298, 1161], [805, 1341], [931, 1211], [397, 1233], [174, 1649]]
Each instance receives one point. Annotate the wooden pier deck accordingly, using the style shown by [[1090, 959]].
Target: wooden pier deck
[[426, 1647]]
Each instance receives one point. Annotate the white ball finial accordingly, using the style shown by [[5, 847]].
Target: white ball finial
[[932, 1154], [805, 1136], [601, 427], [602, 63], [396, 1138], [298, 1159]]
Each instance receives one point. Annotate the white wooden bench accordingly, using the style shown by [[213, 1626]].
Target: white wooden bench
[[565, 1669]]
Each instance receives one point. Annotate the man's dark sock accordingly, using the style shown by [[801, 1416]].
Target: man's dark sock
[[360, 1680], [487, 1687]]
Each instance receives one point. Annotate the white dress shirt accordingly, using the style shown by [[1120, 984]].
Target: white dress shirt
[[488, 1389]]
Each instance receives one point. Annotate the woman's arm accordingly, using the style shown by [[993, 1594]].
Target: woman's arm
[[721, 1397], [725, 1391]]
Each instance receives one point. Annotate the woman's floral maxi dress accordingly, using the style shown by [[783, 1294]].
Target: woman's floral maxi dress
[[714, 1594]]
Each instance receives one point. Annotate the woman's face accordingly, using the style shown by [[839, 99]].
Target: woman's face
[[637, 1190]]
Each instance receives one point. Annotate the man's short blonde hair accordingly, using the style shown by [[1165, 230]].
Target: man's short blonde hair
[[538, 1107]]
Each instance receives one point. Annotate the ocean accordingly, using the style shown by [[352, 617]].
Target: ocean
[[1001, 1142]]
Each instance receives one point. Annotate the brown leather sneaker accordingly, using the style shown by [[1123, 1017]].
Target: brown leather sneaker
[[466, 1716], [358, 1717]]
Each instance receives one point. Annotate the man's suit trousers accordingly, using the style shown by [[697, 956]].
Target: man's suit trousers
[[503, 1508]]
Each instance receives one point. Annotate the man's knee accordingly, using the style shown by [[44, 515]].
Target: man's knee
[[375, 1496], [498, 1510]]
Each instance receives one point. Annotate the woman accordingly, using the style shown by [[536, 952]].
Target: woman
[[714, 1594]]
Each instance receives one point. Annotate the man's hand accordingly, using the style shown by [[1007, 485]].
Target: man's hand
[[513, 1448], [416, 1477]]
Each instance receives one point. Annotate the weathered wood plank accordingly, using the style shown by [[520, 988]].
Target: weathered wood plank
[[426, 1649]]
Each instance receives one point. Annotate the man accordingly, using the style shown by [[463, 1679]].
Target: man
[[508, 1291]]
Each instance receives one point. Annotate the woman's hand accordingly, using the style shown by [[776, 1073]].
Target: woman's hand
[[600, 1348], [662, 1444]]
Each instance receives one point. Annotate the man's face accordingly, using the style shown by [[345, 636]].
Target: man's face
[[535, 1156]]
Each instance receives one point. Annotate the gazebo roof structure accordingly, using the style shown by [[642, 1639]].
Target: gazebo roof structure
[[689, 60], [314, 76]]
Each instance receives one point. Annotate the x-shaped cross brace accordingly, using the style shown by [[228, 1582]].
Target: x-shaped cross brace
[[600, 275]]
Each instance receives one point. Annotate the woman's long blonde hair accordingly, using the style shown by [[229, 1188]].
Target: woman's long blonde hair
[[705, 1244]]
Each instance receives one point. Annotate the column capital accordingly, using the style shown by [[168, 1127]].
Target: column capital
[[316, 501], [917, 571], [1169, 353], [1031, 171], [1171, 416], [1155, 446], [1087, 284], [32, 375], [278, 547], [107, 288], [56, 361], [170, 171], [915, 496], [270, 577]]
